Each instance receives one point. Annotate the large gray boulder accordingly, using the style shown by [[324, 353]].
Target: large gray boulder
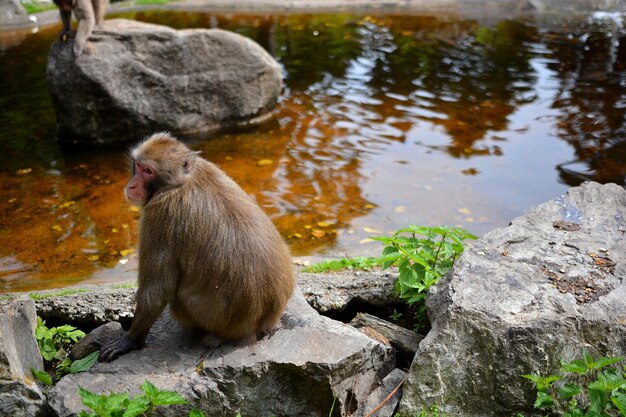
[[297, 369], [520, 299], [137, 78], [19, 394]]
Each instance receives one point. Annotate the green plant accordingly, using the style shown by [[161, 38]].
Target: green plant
[[433, 412], [583, 388], [121, 405], [421, 261], [359, 262], [54, 341]]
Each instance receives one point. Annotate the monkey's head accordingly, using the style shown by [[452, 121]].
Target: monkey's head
[[159, 163]]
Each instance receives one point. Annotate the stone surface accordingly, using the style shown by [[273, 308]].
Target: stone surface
[[13, 14], [96, 306], [336, 291], [383, 401], [19, 394], [295, 370], [138, 78], [401, 339], [520, 299]]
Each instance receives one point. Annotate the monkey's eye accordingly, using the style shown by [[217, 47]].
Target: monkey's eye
[[148, 171]]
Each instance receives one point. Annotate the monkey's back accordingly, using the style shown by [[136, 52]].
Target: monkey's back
[[234, 270]]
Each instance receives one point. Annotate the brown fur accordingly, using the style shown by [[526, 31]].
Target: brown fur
[[205, 248], [88, 12]]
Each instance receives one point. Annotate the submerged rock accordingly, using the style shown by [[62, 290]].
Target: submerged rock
[[520, 299], [137, 78], [298, 369]]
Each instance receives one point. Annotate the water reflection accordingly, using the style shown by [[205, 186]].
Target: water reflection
[[591, 102], [385, 121]]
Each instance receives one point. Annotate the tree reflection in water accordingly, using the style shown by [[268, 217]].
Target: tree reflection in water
[[385, 121]]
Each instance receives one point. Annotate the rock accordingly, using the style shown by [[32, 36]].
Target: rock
[[19, 393], [13, 14], [401, 339], [297, 369], [519, 300], [336, 291], [96, 339], [96, 306], [136, 79], [385, 398]]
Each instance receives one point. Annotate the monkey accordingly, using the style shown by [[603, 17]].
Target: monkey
[[88, 13], [206, 250]]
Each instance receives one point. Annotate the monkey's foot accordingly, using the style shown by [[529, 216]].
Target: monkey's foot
[[66, 36], [211, 341], [116, 348]]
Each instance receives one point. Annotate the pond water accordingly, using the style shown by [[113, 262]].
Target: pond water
[[385, 120]]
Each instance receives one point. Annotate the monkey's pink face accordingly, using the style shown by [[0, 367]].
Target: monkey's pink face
[[143, 184]]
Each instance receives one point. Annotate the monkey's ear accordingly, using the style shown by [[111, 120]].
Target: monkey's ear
[[189, 161]]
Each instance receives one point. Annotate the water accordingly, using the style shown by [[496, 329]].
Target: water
[[385, 121]]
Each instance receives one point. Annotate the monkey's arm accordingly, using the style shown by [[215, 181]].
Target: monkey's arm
[[156, 284], [146, 313]]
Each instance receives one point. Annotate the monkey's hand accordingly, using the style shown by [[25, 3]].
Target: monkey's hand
[[118, 347]]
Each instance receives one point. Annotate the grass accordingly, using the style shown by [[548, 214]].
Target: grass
[[149, 2], [333, 265], [60, 293], [124, 286], [33, 7]]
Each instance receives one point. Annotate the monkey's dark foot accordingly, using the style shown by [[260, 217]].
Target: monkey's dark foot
[[211, 341], [116, 348], [66, 36]]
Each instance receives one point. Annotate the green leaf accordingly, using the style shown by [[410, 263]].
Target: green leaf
[[88, 398], [608, 381], [196, 413], [137, 406], [577, 366], [604, 362], [619, 401], [168, 398], [150, 390], [63, 368], [542, 383], [115, 402], [597, 400], [42, 376], [569, 390], [85, 363], [543, 400]]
